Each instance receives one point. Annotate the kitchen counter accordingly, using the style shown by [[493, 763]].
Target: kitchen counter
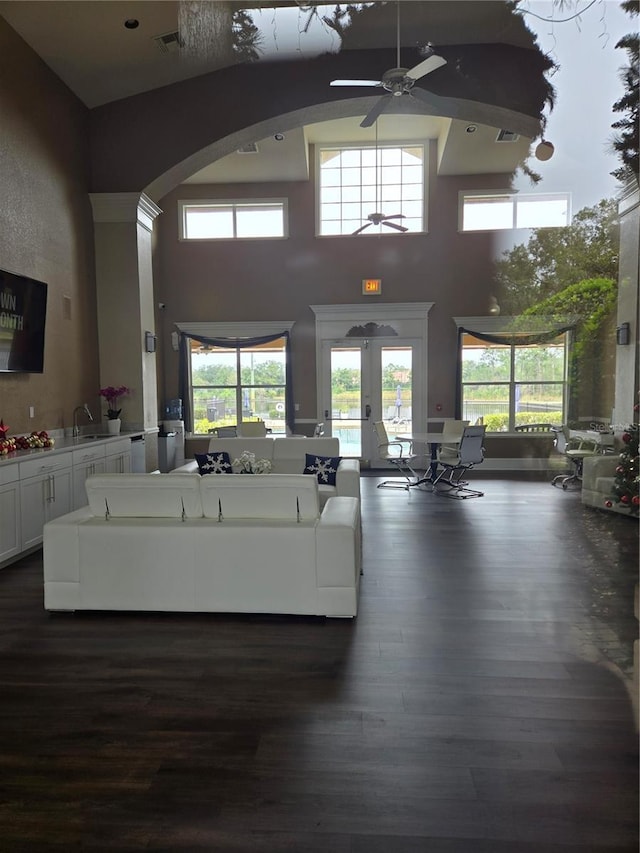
[[44, 483], [65, 443]]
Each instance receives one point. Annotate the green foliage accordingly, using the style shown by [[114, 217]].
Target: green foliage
[[533, 364], [592, 301], [500, 422], [344, 379], [246, 37], [263, 373], [626, 141], [555, 258]]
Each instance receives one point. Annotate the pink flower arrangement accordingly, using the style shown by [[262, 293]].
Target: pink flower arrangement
[[111, 395]]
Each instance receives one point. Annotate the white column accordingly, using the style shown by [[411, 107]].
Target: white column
[[627, 379], [123, 225]]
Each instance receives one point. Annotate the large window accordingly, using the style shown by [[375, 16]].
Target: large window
[[355, 182], [494, 211], [232, 220], [508, 385], [232, 385]]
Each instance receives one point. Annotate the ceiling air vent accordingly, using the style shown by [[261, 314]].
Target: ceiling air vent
[[507, 136], [169, 42], [250, 148]]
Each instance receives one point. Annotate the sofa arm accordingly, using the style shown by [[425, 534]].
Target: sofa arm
[[190, 467], [598, 466], [348, 478], [338, 543]]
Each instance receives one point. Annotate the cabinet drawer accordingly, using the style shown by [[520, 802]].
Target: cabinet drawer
[[84, 455], [44, 464], [9, 473]]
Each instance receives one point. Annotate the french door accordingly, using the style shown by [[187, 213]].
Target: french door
[[367, 380]]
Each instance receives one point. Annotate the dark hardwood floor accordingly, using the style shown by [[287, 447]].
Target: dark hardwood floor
[[476, 705]]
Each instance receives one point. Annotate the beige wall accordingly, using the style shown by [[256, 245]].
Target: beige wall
[[46, 233], [280, 279]]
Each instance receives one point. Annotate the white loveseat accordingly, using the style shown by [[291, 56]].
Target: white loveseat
[[287, 456], [219, 543]]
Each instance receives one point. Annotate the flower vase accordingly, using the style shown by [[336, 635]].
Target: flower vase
[[113, 426]]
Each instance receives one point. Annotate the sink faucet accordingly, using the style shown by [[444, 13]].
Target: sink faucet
[[83, 408]]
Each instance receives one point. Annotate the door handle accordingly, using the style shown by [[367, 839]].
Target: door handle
[[367, 411]]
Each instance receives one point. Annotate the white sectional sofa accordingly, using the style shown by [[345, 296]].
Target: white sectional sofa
[[217, 543], [287, 456], [598, 477]]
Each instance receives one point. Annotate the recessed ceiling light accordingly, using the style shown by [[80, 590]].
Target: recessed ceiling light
[[278, 137], [471, 128], [132, 24]]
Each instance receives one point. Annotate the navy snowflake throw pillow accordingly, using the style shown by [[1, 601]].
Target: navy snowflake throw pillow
[[324, 467], [214, 463]]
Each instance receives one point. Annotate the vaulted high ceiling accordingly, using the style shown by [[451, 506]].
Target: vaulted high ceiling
[[96, 49]]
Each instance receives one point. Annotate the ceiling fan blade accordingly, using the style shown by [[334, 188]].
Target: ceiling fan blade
[[362, 227], [433, 100], [356, 83], [374, 112], [431, 63], [393, 225], [396, 216]]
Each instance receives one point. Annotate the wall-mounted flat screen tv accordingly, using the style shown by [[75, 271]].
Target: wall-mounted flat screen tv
[[23, 312]]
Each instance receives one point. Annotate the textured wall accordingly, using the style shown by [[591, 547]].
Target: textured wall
[[46, 233], [279, 279]]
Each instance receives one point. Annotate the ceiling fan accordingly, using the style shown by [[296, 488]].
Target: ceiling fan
[[399, 81], [380, 218]]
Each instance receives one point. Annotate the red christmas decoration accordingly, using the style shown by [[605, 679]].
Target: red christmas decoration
[[626, 437], [608, 504], [624, 499], [3, 430], [635, 500]]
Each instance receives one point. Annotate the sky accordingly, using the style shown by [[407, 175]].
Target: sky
[[587, 84]]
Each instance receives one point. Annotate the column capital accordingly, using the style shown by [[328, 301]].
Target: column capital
[[124, 207]]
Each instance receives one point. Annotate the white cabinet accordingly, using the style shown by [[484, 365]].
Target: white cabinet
[[46, 490], [41, 485], [118, 457], [86, 461], [10, 542]]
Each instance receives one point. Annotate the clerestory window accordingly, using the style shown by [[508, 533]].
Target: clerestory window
[[495, 211], [356, 182], [233, 220]]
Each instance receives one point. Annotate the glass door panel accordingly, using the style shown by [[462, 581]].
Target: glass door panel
[[396, 390], [366, 381], [345, 403]]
